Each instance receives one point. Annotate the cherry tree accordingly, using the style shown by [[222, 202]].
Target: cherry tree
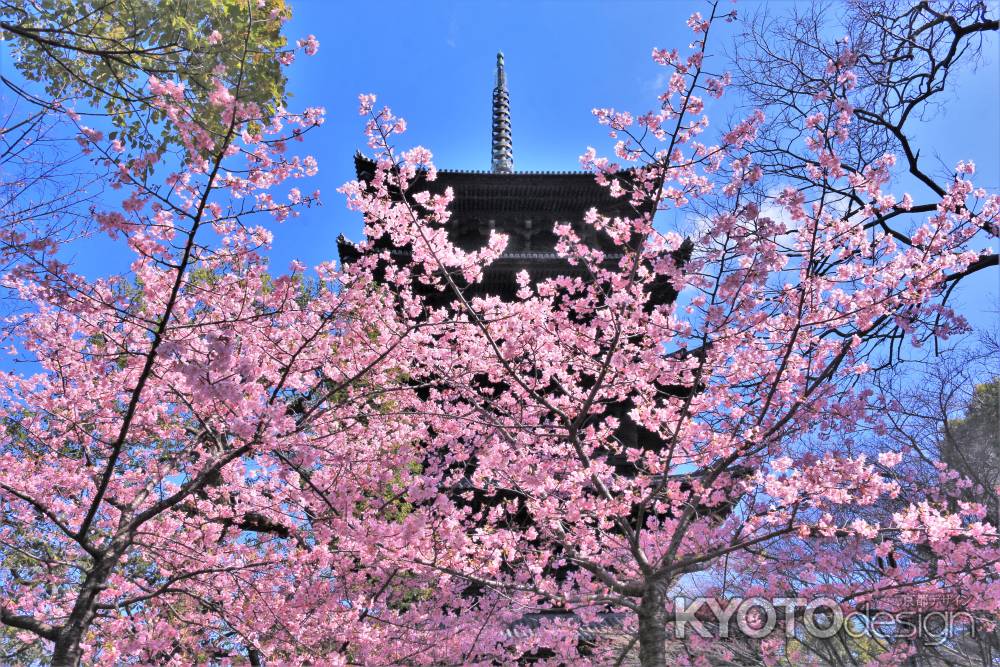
[[146, 451], [751, 384]]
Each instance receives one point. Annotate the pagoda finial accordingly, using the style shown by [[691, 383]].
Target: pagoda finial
[[503, 146]]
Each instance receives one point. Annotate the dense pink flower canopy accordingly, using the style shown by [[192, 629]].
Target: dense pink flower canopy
[[216, 460]]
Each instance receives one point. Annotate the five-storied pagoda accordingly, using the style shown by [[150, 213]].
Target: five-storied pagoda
[[524, 205]]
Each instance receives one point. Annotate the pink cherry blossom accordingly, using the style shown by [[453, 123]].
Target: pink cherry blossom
[[310, 44]]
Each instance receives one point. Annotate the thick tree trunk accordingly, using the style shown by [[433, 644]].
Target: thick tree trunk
[[67, 652], [653, 627]]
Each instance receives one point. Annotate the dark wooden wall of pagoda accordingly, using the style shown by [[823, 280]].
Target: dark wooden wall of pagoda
[[524, 206]]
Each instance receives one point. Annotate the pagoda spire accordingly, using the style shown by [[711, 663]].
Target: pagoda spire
[[503, 147]]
